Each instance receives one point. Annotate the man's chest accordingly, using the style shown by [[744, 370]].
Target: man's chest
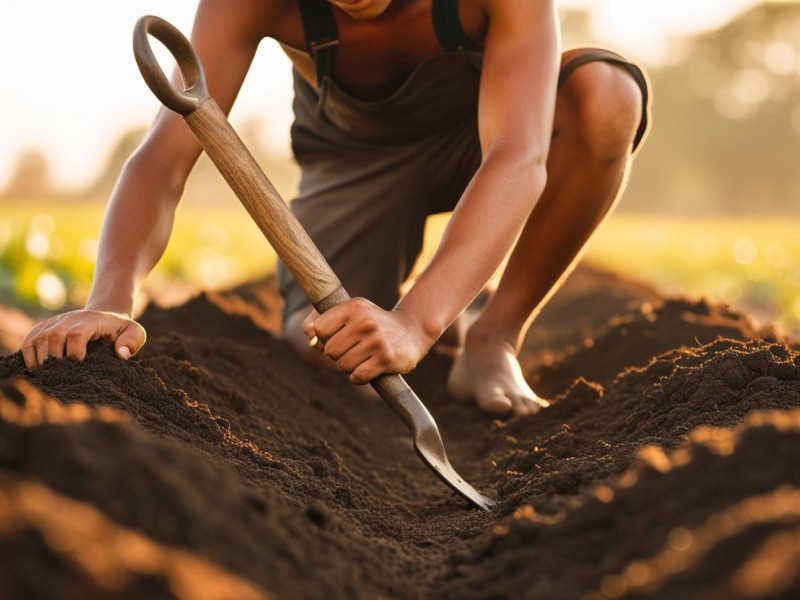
[[375, 57]]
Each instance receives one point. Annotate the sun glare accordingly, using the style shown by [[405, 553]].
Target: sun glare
[[106, 95]]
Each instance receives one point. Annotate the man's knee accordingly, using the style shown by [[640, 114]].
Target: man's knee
[[606, 104]]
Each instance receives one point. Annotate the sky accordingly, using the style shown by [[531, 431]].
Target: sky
[[69, 84]]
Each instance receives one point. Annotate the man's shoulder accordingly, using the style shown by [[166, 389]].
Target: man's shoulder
[[250, 18]]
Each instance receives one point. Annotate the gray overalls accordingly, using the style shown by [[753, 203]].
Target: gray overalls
[[372, 172]]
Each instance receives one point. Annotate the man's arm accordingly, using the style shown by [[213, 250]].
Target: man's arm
[[139, 217], [515, 120]]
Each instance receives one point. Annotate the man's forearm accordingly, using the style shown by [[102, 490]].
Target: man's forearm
[[134, 235], [484, 227]]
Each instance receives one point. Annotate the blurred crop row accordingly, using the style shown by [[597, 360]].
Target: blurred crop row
[[752, 264], [48, 253]]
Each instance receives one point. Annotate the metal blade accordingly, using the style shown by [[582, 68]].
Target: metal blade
[[427, 439], [448, 475]]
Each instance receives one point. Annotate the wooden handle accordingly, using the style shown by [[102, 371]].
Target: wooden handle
[[262, 201], [196, 92], [211, 128], [255, 191]]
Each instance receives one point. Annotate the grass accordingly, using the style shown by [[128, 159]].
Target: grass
[[47, 254]]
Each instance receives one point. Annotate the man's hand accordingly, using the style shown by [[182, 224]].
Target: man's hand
[[367, 341], [67, 335]]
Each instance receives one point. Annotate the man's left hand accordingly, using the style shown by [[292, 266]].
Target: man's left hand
[[366, 341]]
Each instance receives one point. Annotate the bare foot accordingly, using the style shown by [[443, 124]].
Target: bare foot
[[487, 372]]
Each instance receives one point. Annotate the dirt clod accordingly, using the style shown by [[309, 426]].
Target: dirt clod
[[664, 468]]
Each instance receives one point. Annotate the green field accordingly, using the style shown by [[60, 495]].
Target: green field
[[753, 264], [48, 254]]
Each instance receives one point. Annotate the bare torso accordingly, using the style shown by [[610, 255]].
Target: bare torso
[[375, 57]]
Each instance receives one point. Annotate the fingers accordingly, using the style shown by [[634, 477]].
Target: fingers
[[367, 371], [333, 320], [45, 342], [311, 334], [365, 362], [56, 339], [328, 325], [350, 335], [67, 336], [77, 339], [130, 340], [308, 322], [340, 344], [308, 329], [28, 348], [28, 352], [316, 343], [322, 330], [29, 355], [40, 346]]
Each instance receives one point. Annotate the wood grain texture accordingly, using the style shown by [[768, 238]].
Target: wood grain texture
[[265, 205], [291, 242], [196, 92]]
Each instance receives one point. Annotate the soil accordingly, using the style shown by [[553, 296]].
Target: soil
[[214, 465]]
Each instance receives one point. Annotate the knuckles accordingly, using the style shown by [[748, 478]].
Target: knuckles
[[368, 325], [359, 380], [55, 335], [359, 303], [383, 351], [363, 377]]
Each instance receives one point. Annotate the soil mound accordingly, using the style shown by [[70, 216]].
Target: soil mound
[[633, 339], [214, 461]]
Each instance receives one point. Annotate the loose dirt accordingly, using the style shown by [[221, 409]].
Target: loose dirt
[[214, 465]]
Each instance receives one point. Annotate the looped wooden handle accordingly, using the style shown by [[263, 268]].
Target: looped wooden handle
[[181, 101]]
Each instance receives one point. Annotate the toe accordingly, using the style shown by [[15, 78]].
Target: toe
[[528, 405], [494, 402], [521, 406]]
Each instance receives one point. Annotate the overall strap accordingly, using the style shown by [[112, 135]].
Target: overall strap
[[322, 36], [447, 25]]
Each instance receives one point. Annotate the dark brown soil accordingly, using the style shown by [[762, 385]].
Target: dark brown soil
[[214, 465]]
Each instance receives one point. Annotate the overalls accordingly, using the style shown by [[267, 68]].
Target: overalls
[[373, 171]]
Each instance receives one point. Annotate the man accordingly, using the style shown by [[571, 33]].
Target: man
[[403, 108]]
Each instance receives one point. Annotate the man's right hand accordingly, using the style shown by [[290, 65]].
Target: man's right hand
[[67, 335]]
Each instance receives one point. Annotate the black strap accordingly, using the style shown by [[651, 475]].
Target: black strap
[[447, 25], [322, 35], [635, 71]]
